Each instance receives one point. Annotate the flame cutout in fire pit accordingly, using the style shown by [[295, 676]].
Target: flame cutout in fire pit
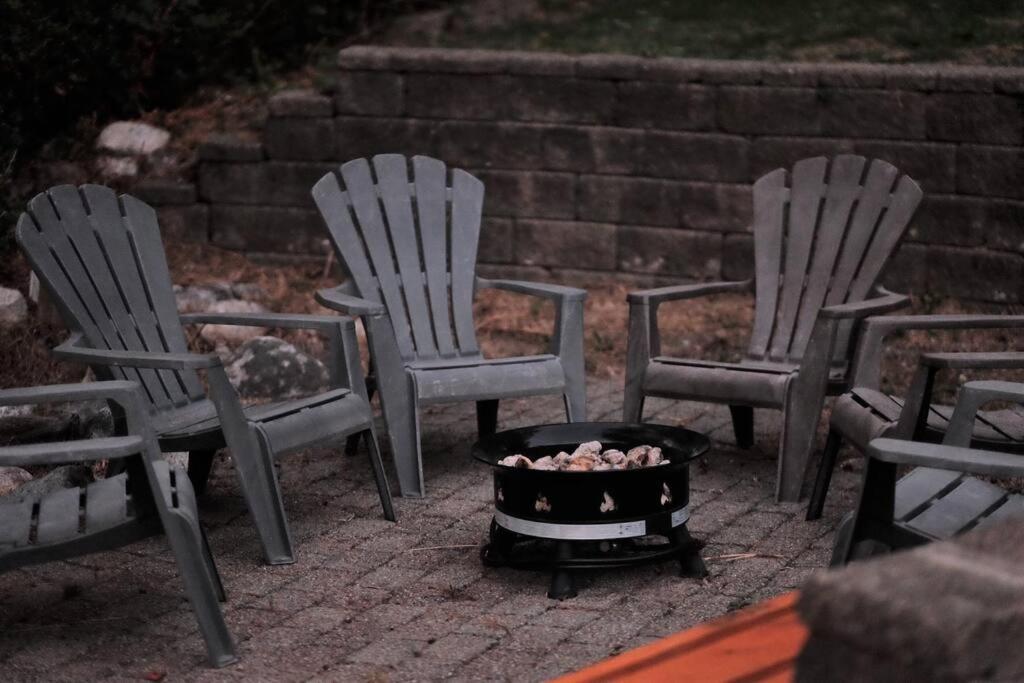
[[666, 494], [542, 504], [608, 505], [500, 495]]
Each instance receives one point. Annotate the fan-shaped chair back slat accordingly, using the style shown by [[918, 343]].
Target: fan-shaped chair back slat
[[409, 243], [101, 258]]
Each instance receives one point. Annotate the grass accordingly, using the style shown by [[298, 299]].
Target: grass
[[979, 32]]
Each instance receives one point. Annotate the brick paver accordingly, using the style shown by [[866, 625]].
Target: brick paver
[[373, 601]]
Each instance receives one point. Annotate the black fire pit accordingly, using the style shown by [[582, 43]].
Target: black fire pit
[[565, 521]]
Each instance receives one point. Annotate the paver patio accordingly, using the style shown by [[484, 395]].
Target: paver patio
[[369, 600]]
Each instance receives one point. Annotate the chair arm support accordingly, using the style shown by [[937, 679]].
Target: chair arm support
[[284, 320], [544, 290], [862, 309], [55, 452], [159, 360], [977, 360], [973, 395], [944, 457], [656, 296], [337, 299]]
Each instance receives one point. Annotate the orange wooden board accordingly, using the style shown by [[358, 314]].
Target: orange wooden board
[[760, 643]]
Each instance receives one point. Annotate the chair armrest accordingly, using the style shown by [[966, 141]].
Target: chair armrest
[[944, 457], [70, 350], [285, 320], [339, 300], [973, 395], [976, 360], [69, 451], [544, 290], [690, 291], [116, 390], [863, 309]]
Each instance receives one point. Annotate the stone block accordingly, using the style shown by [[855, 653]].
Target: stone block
[[965, 78], [963, 117], [617, 150], [300, 104], [695, 156], [357, 136], [164, 191], [975, 274], [360, 57], [990, 171], [184, 222], [907, 270], [369, 93], [933, 166], [731, 71], [479, 144], [793, 74], [667, 106], [300, 139], [950, 219], [715, 206], [921, 77], [528, 195], [672, 69], [661, 251], [769, 111], [738, 257], [635, 201], [559, 100], [609, 66], [1003, 226], [277, 183], [271, 229], [588, 246], [770, 153], [457, 96], [873, 114], [568, 148], [227, 147], [852, 75], [497, 238]]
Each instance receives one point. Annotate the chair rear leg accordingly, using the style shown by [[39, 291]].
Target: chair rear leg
[[486, 417], [352, 443], [824, 478], [633, 404], [262, 492], [795, 447], [222, 595], [576, 401], [199, 465], [743, 425], [186, 541], [378, 473]]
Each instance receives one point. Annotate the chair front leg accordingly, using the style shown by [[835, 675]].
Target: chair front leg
[[641, 345], [876, 509], [567, 344], [254, 463]]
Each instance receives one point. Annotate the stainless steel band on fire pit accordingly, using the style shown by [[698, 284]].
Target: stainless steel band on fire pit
[[583, 532]]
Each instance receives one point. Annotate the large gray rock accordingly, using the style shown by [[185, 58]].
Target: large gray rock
[[132, 137], [11, 478], [13, 309], [197, 298], [268, 367], [232, 334], [63, 477]]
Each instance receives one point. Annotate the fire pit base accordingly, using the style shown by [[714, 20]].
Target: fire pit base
[[565, 557]]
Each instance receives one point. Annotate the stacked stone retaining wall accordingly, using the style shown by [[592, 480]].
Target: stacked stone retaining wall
[[600, 166]]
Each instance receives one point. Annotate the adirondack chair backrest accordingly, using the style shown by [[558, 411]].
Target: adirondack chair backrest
[[101, 259], [822, 236], [410, 244]]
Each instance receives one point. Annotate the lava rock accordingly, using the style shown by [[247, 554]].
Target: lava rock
[[13, 308], [11, 478], [232, 334], [132, 137], [269, 367]]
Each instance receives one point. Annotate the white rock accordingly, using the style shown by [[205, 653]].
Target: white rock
[[132, 137], [11, 478], [117, 166], [13, 309], [232, 334]]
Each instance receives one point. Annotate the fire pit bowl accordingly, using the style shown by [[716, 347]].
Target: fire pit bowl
[[565, 521]]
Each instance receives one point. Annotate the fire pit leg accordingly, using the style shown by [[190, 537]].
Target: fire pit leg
[[562, 584], [691, 564]]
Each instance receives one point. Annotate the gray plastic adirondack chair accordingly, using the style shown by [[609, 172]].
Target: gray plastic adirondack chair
[[939, 499], [410, 246], [866, 412], [101, 258], [822, 235], [149, 497]]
